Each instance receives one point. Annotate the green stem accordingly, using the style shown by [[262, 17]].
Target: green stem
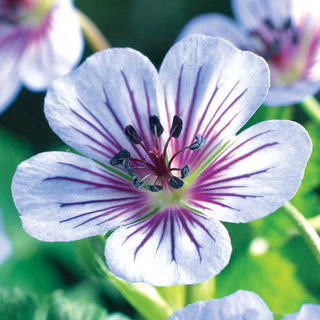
[[92, 34], [305, 228], [312, 107]]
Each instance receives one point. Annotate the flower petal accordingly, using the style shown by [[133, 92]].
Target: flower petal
[[259, 171], [55, 47], [238, 305], [62, 196], [307, 311], [218, 25], [214, 87], [90, 108], [5, 245], [251, 13], [174, 246]]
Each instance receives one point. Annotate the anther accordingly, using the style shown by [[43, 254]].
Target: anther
[[137, 183], [120, 157], [185, 171], [155, 126], [128, 169], [199, 143], [131, 133], [175, 183], [176, 126], [155, 188]]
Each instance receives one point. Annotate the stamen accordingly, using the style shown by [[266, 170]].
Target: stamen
[[128, 169], [155, 126], [131, 133], [176, 127], [269, 24], [137, 183], [185, 171], [120, 157], [175, 183], [199, 143], [155, 188]]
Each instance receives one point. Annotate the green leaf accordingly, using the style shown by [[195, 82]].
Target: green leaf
[[143, 297], [16, 305]]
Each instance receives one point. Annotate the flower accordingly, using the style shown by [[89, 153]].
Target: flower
[[5, 245], [241, 304], [160, 182], [286, 33], [39, 40]]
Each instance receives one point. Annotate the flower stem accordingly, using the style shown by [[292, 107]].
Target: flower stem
[[312, 107], [92, 34], [305, 229]]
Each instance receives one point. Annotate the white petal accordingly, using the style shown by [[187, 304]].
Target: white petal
[[215, 24], [5, 245], [214, 87], [55, 47], [90, 108], [62, 196], [307, 312], [237, 306], [252, 13], [174, 246], [259, 171]]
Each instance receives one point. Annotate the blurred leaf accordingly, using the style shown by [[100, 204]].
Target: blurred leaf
[[64, 308], [143, 297], [16, 305]]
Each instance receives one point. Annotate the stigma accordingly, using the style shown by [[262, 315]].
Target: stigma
[[154, 171]]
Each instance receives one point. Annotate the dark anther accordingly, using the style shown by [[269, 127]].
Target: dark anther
[[269, 24], [132, 134], [155, 126], [185, 171], [176, 126], [155, 188], [175, 183], [128, 169], [199, 143], [137, 183], [120, 157], [288, 24], [275, 47]]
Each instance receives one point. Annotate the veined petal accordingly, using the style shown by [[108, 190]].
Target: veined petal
[[63, 196], [90, 108], [251, 13], [258, 172], [307, 312], [55, 47], [214, 87], [238, 305], [218, 25], [174, 246]]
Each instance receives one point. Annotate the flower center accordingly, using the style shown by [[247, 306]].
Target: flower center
[[154, 168]]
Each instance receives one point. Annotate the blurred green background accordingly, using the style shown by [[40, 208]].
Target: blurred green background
[[49, 276]]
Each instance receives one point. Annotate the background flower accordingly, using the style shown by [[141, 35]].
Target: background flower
[[172, 236], [39, 40], [286, 33], [5, 246]]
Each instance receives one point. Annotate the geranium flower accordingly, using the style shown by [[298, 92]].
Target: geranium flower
[[286, 33], [160, 182], [241, 304], [39, 40], [5, 245]]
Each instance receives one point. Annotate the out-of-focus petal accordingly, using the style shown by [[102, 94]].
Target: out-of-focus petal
[[90, 108], [251, 13], [54, 48], [217, 25], [62, 196], [174, 246], [5, 245], [307, 312], [259, 171], [238, 305], [214, 87]]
